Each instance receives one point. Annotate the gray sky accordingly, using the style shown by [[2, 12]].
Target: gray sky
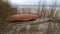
[[17, 3], [25, 2], [34, 2]]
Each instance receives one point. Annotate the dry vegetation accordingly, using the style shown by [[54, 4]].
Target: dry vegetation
[[6, 10], [24, 28]]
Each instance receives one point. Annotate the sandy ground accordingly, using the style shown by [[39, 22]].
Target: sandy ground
[[24, 28]]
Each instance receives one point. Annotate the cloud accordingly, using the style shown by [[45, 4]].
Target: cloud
[[24, 2], [33, 2]]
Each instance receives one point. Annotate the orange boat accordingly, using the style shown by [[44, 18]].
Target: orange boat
[[23, 17]]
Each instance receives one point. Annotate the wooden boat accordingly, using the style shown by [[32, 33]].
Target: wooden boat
[[22, 17]]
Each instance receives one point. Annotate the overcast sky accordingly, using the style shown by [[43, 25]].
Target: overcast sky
[[33, 2], [25, 2]]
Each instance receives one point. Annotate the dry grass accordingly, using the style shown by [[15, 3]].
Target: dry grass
[[18, 28]]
